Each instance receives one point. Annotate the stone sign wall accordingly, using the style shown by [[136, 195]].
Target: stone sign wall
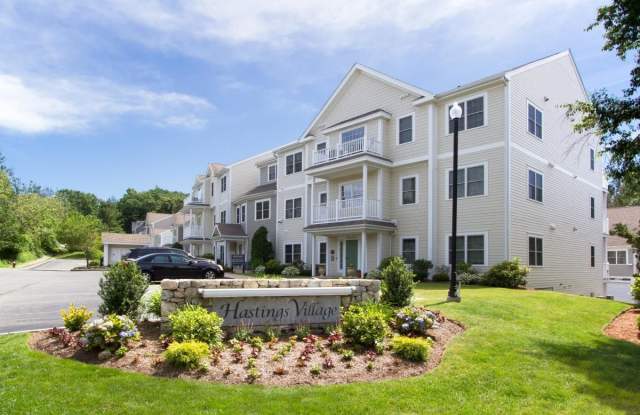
[[272, 310]]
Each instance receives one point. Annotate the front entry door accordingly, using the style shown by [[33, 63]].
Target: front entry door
[[351, 254]]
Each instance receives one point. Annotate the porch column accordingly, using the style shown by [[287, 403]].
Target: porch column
[[312, 199], [190, 222], [313, 254], [363, 266], [379, 193], [379, 249], [365, 177]]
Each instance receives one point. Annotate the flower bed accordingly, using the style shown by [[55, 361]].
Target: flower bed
[[625, 326], [318, 358]]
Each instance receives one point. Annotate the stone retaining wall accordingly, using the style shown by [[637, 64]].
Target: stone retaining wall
[[176, 293]]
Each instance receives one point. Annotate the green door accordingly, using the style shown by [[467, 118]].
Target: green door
[[351, 254]]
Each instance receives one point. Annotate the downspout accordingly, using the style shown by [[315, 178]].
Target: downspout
[[507, 169]]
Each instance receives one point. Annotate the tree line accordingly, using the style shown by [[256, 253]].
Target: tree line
[[35, 220]]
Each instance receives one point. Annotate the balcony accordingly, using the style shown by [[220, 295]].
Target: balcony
[[368, 145], [192, 231], [194, 200], [348, 209]]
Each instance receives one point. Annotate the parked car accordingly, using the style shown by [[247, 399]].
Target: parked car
[[160, 265], [140, 252]]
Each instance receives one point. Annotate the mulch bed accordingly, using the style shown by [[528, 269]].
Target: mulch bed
[[145, 356], [625, 326]]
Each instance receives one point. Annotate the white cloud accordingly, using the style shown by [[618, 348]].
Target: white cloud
[[39, 105]]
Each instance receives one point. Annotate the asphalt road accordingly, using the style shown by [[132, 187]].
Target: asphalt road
[[32, 298]]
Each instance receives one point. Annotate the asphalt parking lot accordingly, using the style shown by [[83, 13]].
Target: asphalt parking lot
[[32, 298]]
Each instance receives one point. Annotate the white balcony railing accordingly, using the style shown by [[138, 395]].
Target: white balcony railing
[[342, 150], [348, 209], [605, 226], [167, 237], [193, 231]]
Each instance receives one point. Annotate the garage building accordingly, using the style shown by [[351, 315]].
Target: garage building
[[117, 245]]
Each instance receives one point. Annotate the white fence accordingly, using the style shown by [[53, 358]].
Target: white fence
[[342, 150], [346, 209]]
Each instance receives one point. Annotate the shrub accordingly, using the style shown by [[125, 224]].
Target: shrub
[[75, 317], [193, 322], [465, 267], [273, 266], [346, 355], [271, 334], [365, 324], [260, 270], [302, 331], [386, 261], [109, 333], [414, 320], [421, 269], [261, 248], [121, 289], [291, 271], [468, 278], [189, 354], [374, 274], [397, 288], [635, 288], [440, 273], [154, 303], [413, 349], [243, 333], [508, 274]]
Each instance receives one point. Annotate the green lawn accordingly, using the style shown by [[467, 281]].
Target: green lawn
[[523, 352]]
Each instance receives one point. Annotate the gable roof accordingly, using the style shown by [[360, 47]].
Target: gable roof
[[629, 215], [112, 238], [155, 216], [258, 191], [228, 230], [359, 68]]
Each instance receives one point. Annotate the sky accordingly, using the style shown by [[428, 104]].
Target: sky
[[109, 95]]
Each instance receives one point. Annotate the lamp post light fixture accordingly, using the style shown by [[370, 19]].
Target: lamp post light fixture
[[454, 287]]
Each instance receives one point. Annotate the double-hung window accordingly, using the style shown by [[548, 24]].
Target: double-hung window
[[323, 252], [534, 124], [593, 256], [617, 257], [223, 216], [592, 159], [535, 186], [469, 248], [593, 207], [223, 184], [323, 199], [473, 114], [535, 251], [272, 173], [293, 208], [292, 253], [471, 181], [349, 139], [212, 188], [405, 129], [294, 163], [409, 248], [263, 209], [409, 190], [241, 213]]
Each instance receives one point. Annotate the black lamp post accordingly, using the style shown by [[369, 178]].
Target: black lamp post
[[454, 288]]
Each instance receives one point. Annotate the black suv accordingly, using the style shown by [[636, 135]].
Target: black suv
[[158, 266], [140, 252]]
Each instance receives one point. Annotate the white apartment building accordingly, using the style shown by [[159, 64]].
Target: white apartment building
[[370, 178]]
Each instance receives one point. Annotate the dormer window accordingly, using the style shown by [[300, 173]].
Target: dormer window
[[272, 172], [223, 184]]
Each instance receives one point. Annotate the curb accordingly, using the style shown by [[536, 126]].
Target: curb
[[35, 263], [23, 331]]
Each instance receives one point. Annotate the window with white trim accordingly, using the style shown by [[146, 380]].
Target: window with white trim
[[322, 247], [263, 208], [593, 256], [223, 184], [535, 251], [241, 213], [534, 124], [223, 216], [473, 114], [272, 173], [592, 159], [535, 186], [352, 135], [292, 253], [323, 199], [470, 182], [405, 129], [409, 249], [321, 146], [470, 248], [409, 190], [593, 207], [617, 257], [294, 163], [293, 208], [212, 188]]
